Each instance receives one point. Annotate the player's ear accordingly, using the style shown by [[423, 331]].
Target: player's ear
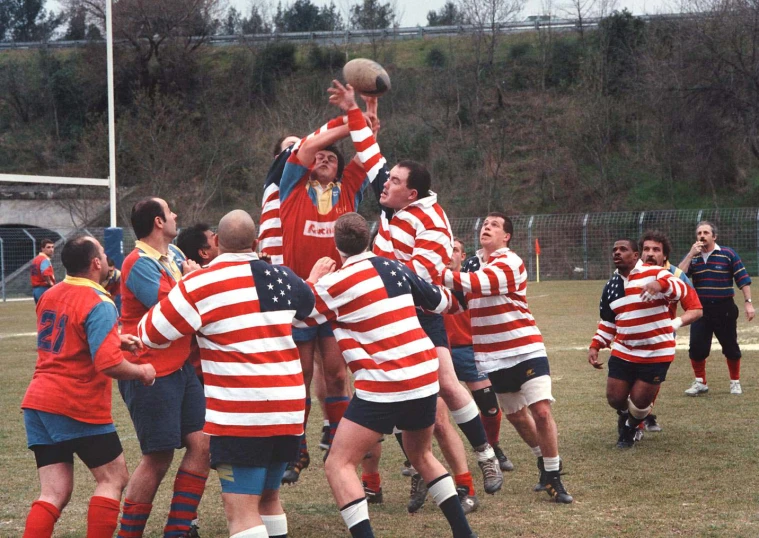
[[216, 240], [413, 194], [254, 245]]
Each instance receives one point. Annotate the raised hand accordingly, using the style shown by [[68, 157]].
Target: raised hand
[[342, 96]]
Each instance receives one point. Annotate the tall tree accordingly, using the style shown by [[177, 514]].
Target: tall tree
[[77, 28], [28, 20], [372, 15], [449, 15], [256, 22], [232, 22], [304, 16]]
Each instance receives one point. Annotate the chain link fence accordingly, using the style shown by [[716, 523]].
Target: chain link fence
[[573, 246]]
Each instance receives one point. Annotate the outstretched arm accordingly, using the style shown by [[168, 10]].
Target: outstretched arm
[[172, 318]]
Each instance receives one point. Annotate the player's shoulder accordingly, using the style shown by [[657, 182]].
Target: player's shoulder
[[730, 252], [471, 264]]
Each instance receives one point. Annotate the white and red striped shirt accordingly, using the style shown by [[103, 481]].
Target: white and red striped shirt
[[504, 333], [270, 226], [242, 310], [418, 235], [371, 303], [638, 330]]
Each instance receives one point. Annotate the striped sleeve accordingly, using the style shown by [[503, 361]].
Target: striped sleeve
[[432, 298], [431, 253], [740, 275], [173, 317], [498, 278], [321, 312], [672, 287], [368, 152], [607, 326]]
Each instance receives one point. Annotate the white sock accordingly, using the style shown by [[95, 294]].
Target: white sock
[[253, 532], [355, 513], [442, 489], [551, 464], [276, 525], [536, 451], [466, 413], [326, 423]]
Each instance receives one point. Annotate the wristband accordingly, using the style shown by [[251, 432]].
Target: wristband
[[677, 323]]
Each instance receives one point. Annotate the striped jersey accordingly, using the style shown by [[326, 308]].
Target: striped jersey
[[418, 235], [713, 278], [504, 333], [270, 226], [241, 309], [634, 329], [371, 304]]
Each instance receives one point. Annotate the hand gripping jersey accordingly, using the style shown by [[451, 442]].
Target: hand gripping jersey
[[41, 267], [637, 330], [418, 235], [113, 283], [146, 278], [270, 226], [242, 310], [504, 333], [77, 338], [371, 304]]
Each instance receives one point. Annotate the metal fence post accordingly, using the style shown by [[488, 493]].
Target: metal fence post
[[529, 245], [2, 264], [34, 242], [698, 217], [585, 246], [475, 236], [640, 223]]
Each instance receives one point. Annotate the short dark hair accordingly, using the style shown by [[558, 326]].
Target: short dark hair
[[278, 145], [110, 261], [45, 242], [418, 177], [352, 234], [632, 243], [78, 253], [508, 226], [191, 239], [340, 160], [463, 246], [659, 237], [708, 223], [143, 216]]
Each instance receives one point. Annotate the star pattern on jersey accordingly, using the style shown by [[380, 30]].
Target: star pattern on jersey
[[274, 289], [615, 288]]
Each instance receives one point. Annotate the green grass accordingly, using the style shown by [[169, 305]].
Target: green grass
[[696, 478]]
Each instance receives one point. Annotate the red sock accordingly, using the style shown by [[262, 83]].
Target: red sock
[[699, 368], [465, 480], [102, 517], [492, 426], [734, 367], [372, 481], [41, 520], [133, 519], [188, 490], [336, 406]]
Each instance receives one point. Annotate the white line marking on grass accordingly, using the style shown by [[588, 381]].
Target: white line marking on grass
[[17, 335], [539, 296]]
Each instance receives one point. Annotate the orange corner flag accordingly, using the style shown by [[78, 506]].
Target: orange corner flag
[[537, 247]]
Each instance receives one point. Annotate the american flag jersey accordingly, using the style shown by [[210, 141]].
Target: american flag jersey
[[418, 235], [270, 225], [242, 310], [504, 332], [371, 303], [637, 330]]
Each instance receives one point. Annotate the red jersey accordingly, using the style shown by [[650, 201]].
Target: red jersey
[[41, 268], [77, 338], [307, 232], [459, 329]]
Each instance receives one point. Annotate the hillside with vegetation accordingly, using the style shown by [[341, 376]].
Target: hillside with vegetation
[[636, 115]]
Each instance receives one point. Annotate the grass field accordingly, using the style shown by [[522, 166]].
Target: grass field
[[696, 478]]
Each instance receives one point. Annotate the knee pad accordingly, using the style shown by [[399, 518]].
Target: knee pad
[[637, 412], [486, 401]]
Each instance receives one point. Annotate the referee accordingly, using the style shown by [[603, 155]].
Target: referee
[[713, 269]]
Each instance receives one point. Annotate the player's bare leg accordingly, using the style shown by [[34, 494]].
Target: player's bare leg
[[306, 350], [370, 475], [335, 378], [320, 393], [453, 452]]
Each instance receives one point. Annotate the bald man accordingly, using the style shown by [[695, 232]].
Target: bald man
[[241, 309]]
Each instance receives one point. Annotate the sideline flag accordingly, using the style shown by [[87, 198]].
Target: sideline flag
[[537, 259], [537, 247]]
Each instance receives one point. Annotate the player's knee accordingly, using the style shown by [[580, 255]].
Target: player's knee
[[541, 411], [486, 401], [638, 412]]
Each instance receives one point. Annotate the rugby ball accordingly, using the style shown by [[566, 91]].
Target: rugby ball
[[366, 76]]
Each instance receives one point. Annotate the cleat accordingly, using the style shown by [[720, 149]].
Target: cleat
[[407, 470], [556, 489], [470, 503], [292, 473], [324, 441], [697, 388], [492, 476], [373, 497], [193, 531], [627, 437], [639, 431], [621, 420], [651, 425], [418, 493], [542, 478], [503, 460], [735, 387]]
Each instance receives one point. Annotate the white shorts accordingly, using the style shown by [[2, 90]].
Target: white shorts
[[532, 391]]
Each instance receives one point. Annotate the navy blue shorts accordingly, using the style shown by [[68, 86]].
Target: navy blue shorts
[[463, 363], [37, 293], [311, 333], [512, 379], [654, 372], [434, 328], [165, 413], [720, 320], [382, 417], [253, 451]]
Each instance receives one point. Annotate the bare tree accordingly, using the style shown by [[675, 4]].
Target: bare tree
[[486, 16]]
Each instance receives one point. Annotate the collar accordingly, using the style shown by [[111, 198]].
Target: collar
[[43, 254], [495, 254], [358, 258], [638, 267], [150, 251], [427, 201], [233, 257], [84, 282], [314, 183]]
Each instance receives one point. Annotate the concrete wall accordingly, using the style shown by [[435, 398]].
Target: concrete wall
[[52, 214]]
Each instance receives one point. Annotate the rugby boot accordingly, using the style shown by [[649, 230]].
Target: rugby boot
[[556, 489], [469, 503], [627, 437], [324, 441], [503, 460], [735, 387], [418, 493], [292, 473], [621, 420], [192, 532], [639, 430], [407, 470], [372, 497], [651, 424], [543, 476], [697, 388], [492, 477]]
